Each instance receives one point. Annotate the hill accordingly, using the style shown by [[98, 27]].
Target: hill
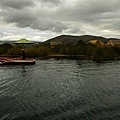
[[69, 39]]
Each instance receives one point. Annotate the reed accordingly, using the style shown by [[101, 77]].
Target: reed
[[92, 52]]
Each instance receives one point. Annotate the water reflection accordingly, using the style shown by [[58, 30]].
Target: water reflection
[[23, 71]]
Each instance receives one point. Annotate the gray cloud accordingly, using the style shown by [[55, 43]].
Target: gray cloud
[[34, 17], [58, 15], [89, 10], [103, 6], [15, 16], [16, 4], [76, 30], [51, 1]]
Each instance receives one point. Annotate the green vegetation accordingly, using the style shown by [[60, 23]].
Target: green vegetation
[[93, 52], [35, 51], [4, 48]]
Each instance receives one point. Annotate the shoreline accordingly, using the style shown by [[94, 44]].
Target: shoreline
[[78, 57], [62, 56]]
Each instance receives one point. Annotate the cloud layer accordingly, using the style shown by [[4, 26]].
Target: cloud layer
[[63, 16]]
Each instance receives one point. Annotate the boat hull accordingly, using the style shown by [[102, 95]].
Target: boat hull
[[19, 63], [16, 61]]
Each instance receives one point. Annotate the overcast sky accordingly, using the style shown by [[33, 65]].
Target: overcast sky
[[44, 19]]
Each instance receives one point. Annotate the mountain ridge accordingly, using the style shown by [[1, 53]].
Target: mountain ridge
[[70, 39]]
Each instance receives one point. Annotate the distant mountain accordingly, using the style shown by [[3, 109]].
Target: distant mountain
[[69, 39], [13, 41]]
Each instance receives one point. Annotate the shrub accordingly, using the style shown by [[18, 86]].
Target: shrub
[[5, 47]]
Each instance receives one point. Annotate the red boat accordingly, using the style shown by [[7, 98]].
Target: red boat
[[16, 61]]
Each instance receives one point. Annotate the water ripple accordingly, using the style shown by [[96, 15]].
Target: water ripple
[[60, 89]]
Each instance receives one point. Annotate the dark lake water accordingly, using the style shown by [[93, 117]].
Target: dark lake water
[[60, 90]]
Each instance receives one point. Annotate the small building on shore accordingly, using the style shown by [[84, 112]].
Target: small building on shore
[[97, 43], [114, 43], [55, 44], [23, 43]]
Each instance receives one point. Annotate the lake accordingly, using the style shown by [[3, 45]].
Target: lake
[[60, 90]]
